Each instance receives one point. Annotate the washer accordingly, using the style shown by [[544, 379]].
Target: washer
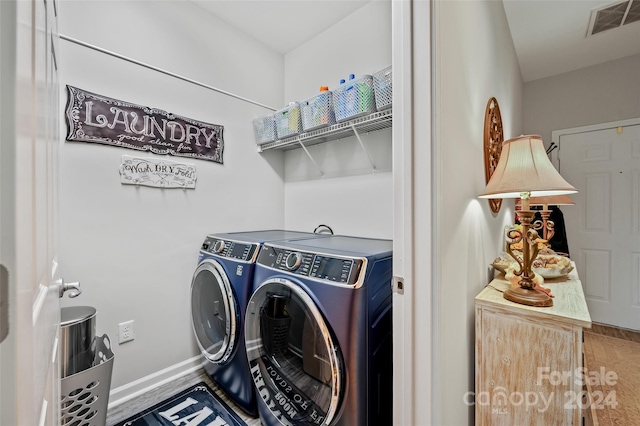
[[220, 289], [318, 332]]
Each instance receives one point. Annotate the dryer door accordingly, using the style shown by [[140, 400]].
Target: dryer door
[[295, 362], [214, 311]]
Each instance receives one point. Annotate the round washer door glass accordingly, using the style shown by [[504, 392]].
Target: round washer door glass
[[295, 364], [214, 313]]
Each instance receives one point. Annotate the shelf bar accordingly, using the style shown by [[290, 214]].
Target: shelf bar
[[160, 70], [311, 158], [355, 131], [375, 121]]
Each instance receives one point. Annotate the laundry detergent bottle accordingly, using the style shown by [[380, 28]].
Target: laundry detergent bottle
[[351, 99], [322, 106], [365, 96], [294, 117]]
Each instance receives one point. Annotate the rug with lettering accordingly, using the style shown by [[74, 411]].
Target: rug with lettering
[[197, 405]]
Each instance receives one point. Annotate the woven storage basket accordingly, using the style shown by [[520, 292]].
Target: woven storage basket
[[288, 121], [317, 111], [354, 98], [264, 129], [383, 88]]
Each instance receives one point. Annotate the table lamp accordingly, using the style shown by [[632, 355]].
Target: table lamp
[[524, 170], [547, 226]]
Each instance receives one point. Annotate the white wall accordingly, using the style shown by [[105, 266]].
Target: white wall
[[178, 36], [474, 60], [134, 249], [598, 94], [350, 198]]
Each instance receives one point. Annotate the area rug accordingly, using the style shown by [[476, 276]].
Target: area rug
[[614, 383], [197, 405]]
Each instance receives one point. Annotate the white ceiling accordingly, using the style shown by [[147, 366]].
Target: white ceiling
[[549, 36], [282, 25]]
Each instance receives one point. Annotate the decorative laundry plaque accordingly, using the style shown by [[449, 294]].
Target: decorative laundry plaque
[[99, 119], [158, 173]]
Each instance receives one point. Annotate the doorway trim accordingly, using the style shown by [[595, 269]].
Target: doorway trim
[[413, 261]]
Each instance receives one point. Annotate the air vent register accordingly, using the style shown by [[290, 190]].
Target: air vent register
[[614, 16]]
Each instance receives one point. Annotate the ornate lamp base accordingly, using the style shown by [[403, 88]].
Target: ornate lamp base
[[528, 296]]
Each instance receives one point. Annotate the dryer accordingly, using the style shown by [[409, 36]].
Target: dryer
[[318, 332], [220, 289]]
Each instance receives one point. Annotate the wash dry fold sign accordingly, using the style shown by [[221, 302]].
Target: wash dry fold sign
[[99, 119]]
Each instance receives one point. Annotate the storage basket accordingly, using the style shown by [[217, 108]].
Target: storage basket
[[275, 333], [85, 395], [354, 98], [383, 88], [288, 121], [317, 111], [264, 129]]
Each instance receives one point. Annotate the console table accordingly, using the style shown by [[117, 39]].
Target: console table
[[529, 360]]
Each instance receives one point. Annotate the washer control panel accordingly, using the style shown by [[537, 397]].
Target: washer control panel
[[338, 269], [228, 248]]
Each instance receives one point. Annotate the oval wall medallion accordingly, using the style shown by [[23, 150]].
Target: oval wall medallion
[[493, 138]]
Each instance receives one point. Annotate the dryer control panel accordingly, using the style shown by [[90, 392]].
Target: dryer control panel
[[338, 269], [230, 249]]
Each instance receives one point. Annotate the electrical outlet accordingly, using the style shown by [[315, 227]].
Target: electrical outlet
[[126, 332]]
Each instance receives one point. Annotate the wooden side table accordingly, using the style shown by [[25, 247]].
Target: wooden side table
[[529, 360]]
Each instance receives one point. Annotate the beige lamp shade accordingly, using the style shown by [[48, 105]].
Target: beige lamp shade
[[525, 168], [551, 200]]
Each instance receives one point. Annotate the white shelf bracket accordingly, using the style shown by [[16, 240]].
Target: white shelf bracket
[[355, 131], [311, 158]]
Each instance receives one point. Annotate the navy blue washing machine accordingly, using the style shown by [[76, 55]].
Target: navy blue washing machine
[[220, 289], [318, 332]]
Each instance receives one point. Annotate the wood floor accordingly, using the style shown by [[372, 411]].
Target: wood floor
[[620, 333], [151, 398], [614, 400]]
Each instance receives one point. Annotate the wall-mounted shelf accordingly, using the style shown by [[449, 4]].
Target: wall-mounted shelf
[[368, 123]]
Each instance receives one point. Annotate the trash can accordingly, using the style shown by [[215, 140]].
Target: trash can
[[77, 330], [86, 367]]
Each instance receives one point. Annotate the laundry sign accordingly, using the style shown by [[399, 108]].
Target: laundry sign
[[158, 173], [99, 119]]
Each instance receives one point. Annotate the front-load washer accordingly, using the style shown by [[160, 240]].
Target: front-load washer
[[220, 289], [318, 332]]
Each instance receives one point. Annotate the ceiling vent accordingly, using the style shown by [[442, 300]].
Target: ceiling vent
[[614, 16]]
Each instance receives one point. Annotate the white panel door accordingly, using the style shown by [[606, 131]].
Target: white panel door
[[29, 132], [603, 228]]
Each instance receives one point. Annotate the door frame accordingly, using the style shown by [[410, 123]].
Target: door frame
[[413, 236]]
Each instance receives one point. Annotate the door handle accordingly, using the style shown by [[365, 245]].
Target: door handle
[[73, 288]]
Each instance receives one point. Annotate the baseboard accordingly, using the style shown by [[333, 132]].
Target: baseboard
[[131, 390]]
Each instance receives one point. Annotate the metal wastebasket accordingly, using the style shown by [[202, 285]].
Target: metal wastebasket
[[78, 330], [86, 366]]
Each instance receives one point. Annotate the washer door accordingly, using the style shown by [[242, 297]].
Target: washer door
[[295, 363], [214, 311]]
